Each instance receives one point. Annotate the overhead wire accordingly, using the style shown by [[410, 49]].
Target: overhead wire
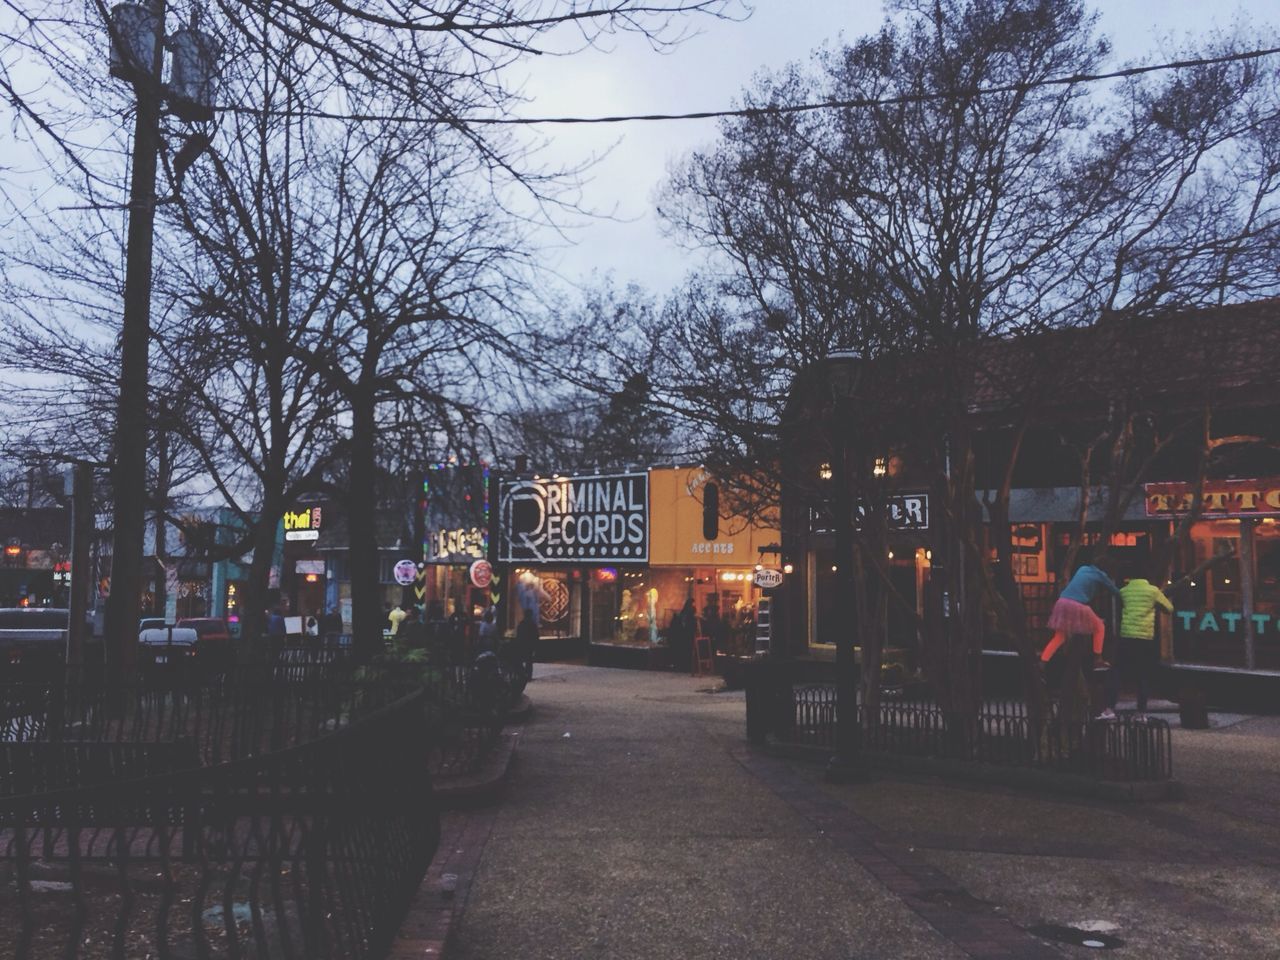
[[783, 109]]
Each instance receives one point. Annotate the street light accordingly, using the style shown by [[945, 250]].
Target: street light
[[844, 374], [138, 42]]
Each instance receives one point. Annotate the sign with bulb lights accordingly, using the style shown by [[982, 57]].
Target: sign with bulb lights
[[455, 511], [591, 519], [1218, 498]]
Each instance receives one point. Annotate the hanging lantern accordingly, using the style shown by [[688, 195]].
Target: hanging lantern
[[133, 32], [193, 74]]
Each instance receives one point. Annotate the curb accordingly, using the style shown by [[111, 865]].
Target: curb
[[1026, 778], [522, 711], [441, 896], [484, 785]]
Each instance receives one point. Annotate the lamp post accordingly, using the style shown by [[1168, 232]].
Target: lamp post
[[844, 372], [137, 56]]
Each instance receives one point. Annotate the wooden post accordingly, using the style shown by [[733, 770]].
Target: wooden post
[[1247, 527]]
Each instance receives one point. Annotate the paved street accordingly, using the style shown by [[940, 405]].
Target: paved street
[[638, 823]]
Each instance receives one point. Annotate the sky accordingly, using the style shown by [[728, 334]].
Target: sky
[[709, 71]]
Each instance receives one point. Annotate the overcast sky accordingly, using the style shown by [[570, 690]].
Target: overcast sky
[[709, 71]]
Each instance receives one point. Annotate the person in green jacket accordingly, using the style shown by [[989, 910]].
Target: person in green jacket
[[1139, 651]]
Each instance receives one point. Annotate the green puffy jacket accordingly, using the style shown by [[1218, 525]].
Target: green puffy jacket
[[1138, 614]]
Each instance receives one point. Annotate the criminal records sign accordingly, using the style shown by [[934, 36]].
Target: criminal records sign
[[595, 519]]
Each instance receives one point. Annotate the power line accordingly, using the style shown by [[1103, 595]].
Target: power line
[[777, 109]]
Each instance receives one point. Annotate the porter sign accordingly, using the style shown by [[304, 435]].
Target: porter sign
[[599, 519]]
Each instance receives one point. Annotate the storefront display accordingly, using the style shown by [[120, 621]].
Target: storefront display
[[1226, 585], [618, 556], [456, 511], [704, 550]]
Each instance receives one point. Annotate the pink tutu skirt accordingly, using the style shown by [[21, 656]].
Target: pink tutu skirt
[[1071, 616]]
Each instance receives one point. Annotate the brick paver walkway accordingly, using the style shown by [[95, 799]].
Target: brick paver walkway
[[972, 925]]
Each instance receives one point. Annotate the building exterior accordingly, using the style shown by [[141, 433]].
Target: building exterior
[[1189, 401], [612, 558], [456, 511], [331, 588], [35, 565]]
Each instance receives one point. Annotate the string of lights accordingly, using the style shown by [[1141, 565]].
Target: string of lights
[[778, 109]]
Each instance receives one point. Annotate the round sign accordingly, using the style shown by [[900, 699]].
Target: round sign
[[405, 572], [767, 579], [481, 574]]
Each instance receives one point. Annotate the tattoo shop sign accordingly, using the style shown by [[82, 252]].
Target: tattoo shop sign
[[593, 519]]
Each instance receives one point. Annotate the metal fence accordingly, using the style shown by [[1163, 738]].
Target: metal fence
[[1000, 732], [311, 850], [239, 713], [247, 711], [279, 810]]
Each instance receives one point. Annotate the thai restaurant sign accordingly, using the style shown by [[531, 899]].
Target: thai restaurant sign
[[302, 524], [1220, 498], [591, 519], [676, 525]]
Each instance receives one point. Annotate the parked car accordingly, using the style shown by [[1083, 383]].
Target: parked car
[[33, 636], [151, 623], [214, 637], [165, 645]]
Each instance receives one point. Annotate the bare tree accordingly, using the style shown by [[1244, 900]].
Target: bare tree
[[979, 198], [419, 311], [436, 73]]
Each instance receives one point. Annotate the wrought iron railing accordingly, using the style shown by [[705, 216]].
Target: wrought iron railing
[[999, 732], [284, 809], [239, 713], [310, 850]]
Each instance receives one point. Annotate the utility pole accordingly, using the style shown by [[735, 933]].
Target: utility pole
[[137, 35], [129, 467]]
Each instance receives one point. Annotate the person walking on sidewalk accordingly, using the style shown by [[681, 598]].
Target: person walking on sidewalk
[[1072, 614], [1138, 651]]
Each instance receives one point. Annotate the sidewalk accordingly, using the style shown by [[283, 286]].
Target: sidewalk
[[637, 823]]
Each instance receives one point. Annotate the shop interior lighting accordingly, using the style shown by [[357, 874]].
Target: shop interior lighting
[[928, 554], [880, 468], [788, 568], [834, 568], [759, 566], [824, 471], [890, 554]]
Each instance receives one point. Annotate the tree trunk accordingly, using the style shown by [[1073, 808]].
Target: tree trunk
[[871, 602], [254, 600], [160, 602]]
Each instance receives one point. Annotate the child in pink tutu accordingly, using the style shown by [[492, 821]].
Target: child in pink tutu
[[1072, 614]]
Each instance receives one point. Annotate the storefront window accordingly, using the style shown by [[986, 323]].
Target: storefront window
[[560, 608], [826, 625], [1212, 621], [193, 599], [636, 606]]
